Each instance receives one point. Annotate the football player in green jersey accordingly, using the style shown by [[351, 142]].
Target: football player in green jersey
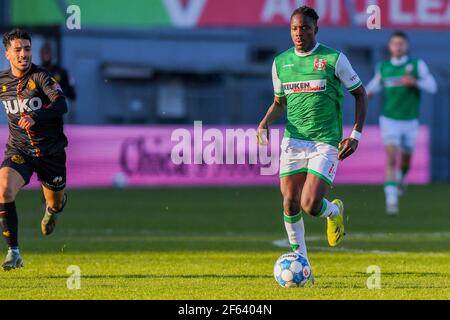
[[307, 82], [401, 79]]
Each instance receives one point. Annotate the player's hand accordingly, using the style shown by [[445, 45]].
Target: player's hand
[[26, 122], [408, 81], [347, 147], [262, 133]]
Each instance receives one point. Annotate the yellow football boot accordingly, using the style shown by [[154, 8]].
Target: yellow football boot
[[335, 226]]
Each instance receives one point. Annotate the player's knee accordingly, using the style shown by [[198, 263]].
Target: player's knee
[[311, 205], [291, 205], [7, 194]]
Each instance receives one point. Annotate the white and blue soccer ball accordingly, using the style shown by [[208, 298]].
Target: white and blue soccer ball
[[120, 180], [292, 270]]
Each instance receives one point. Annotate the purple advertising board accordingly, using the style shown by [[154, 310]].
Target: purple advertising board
[[104, 156]]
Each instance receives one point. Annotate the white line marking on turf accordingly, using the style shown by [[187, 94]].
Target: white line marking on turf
[[284, 243], [343, 249], [396, 235]]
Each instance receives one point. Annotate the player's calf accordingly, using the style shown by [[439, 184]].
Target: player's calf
[[291, 205], [332, 211], [56, 206], [52, 210], [292, 215], [9, 225], [10, 184]]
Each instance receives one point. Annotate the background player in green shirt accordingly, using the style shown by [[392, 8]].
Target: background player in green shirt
[[307, 83], [401, 79]]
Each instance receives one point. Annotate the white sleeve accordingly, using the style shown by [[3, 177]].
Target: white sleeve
[[345, 73], [426, 81], [374, 85], [277, 85]]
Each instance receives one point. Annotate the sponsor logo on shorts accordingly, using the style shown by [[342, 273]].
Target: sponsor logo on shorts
[[57, 180], [17, 159], [332, 170], [6, 234], [305, 86], [4, 88]]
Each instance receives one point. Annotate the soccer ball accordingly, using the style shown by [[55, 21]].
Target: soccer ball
[[292, 270], [120, 180]]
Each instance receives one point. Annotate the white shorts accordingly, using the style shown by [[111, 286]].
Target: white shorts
[[317, 158], [401, 133]]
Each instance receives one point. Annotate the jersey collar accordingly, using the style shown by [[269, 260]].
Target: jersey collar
[[304, 54], [399, 61], [29, 71]]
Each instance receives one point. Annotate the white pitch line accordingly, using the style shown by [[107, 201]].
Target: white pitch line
[[343, 249], [397, 235], [284, 243], [380, 235]]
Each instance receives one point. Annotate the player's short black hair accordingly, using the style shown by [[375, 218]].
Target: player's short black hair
[[14, 35], [307, 12], [400, 34]]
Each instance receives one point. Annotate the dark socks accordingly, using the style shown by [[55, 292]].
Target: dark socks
[[9, 224]]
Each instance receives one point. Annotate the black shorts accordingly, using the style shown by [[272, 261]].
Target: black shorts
[[50, 170]]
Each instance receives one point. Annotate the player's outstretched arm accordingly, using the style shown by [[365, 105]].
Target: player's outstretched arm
[[349, 145], [275, 111]]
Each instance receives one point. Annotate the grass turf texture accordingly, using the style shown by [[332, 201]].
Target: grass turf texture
[[216, 243]]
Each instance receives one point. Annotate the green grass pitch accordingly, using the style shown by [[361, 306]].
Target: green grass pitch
[[217, 243]]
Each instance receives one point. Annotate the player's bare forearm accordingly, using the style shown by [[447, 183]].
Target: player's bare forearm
[[361, 103], [349, 145], [275, 111]]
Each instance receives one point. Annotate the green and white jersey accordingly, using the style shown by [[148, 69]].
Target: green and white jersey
[[401, 102], [311, 83]]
